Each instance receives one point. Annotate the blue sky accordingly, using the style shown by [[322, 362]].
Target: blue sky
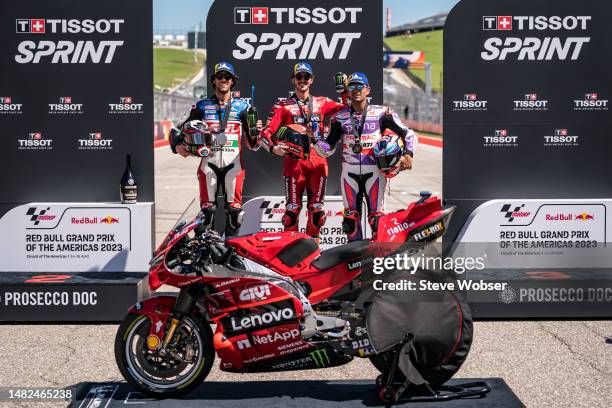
[[182, 15]]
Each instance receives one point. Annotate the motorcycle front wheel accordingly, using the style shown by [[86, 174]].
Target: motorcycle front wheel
[[182, 368]]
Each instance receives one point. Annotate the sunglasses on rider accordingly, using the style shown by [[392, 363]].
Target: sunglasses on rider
[[356, 87], [303, 77], [227, 77]]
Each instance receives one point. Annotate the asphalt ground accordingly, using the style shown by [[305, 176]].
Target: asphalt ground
[[545, 363]]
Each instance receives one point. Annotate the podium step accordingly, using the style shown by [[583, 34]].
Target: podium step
[[70, 297]]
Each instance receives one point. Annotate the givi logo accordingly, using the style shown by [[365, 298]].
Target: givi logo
[[259, 292]]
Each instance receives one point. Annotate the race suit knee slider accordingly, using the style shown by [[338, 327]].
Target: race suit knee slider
[[291, 217], [350, 221], [233, 215], [208, 214]]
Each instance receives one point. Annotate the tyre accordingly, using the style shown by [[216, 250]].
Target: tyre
[[175, 373], [443, 331]]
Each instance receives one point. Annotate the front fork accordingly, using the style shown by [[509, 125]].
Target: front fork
[[185, 302]]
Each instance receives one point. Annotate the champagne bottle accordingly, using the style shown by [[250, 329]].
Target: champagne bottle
[[129, 188]]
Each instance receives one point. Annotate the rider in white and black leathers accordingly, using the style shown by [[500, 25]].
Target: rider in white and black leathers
[[358, 134], [227, 118]]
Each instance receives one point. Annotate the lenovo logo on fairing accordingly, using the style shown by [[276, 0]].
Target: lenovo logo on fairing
[[261, 319]]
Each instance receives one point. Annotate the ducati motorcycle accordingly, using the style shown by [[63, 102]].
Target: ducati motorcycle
[[272, 301]]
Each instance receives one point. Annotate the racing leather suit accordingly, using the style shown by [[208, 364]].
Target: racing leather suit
[[360, 177], [223, 169], [300, 174]]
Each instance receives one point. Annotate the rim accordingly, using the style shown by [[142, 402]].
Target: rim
[[148, 367]]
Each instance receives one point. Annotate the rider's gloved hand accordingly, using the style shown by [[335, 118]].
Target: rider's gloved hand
[[174, 138], [341, 81]]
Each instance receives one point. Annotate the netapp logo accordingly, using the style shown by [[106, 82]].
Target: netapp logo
[[534, 48], [470, 102], [126, 105], [591, 102], [561, 137], [95, 141], [269, 338], [64, 51], [531, 103], [501, 138], [35, 141], [65, 105], [8, 107], [291, 15], [263, 319]]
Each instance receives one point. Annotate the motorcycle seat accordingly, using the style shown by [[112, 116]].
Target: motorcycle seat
[[337, 255]]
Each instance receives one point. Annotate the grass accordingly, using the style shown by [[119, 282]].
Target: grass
[[431, 43], [172, 66]]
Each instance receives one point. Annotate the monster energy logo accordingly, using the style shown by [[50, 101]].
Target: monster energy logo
[[252, 119], [320, 358], [281, 132]]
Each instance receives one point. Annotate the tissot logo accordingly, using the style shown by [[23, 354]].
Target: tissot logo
[[532, 48], [126, 105], [470, 102], [560, 137], [67, 51], [95, 141], [291, 15], [530, 102], [591, 102], [501, 138], [35, 141], [65, 106], [511, 212], [293, 45], [8, 107]]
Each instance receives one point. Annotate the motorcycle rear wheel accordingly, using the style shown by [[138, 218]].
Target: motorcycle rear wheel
[[163, 376]]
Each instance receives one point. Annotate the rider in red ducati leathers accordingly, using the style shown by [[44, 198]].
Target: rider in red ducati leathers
[[310, 173], [222, 167]]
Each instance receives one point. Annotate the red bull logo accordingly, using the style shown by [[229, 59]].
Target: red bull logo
[[109, 220], [584, 217]]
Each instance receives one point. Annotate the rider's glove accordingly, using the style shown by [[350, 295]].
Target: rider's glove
[[174, 138]]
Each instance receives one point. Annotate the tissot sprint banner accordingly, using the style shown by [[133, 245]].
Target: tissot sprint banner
[[263, 39], [527, 131], [75, 98]]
